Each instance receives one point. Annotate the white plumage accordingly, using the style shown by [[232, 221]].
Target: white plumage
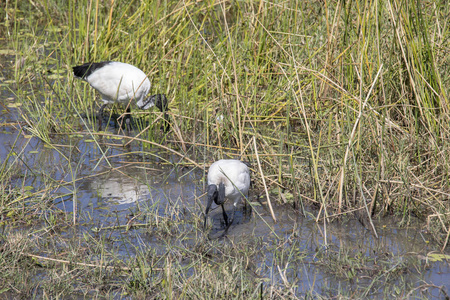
[[120, 82], [228, 179]]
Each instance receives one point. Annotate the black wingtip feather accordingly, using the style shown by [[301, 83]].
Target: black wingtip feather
[[87, 69]]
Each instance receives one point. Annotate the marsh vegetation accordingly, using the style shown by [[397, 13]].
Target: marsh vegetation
[[341, 108]]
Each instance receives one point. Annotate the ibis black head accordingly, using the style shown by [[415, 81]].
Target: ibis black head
[[214, 193], [159, 100]]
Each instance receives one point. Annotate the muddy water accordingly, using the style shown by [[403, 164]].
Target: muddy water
[[112, 193]]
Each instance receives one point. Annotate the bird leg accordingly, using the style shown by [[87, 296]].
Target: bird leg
[[230, 221], [100, 116], [225, 216], [100, 111], [245, 204], [128, 119]]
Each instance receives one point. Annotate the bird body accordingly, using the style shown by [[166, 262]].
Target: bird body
[[228, 179], [234, 174], [120, 82]]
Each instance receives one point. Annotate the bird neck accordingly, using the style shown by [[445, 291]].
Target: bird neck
[[221, 193]]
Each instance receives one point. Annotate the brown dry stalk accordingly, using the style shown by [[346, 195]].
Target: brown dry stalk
[[264, 181], [62, 261]]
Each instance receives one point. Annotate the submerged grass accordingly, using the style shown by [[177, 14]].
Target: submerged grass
[[340, 105]]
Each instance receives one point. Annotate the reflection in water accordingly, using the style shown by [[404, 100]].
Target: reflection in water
[[135, 188], [119, 188]]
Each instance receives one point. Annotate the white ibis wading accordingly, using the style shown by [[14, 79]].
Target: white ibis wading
[[120, 82], [228, 179]]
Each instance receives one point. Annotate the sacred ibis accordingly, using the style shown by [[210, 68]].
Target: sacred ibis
[[120, 82], [228, 179]]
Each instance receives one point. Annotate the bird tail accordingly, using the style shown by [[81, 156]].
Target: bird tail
[[87, 69]]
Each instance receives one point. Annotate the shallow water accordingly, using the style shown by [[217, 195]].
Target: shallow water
[[112, 192]]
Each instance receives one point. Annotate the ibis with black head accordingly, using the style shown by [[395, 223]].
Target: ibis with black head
[[120, 82], [228, 179]]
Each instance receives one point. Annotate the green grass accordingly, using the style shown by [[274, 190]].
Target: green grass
[[347, 103]]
